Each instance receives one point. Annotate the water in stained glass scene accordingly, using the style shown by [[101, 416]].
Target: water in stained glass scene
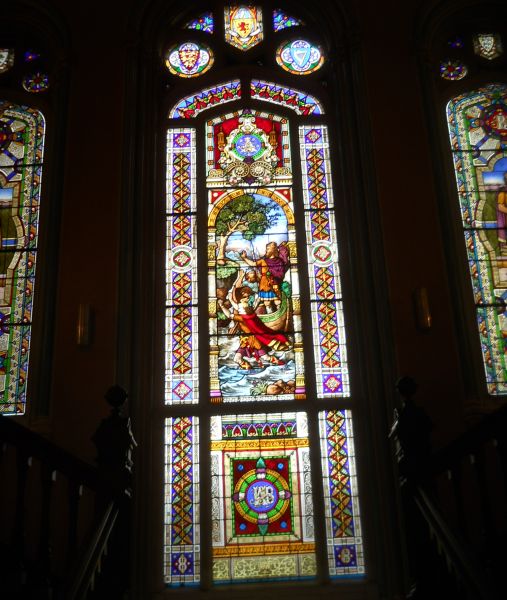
[[262, 509]]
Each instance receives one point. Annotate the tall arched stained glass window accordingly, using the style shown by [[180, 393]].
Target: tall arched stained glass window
[[21, 150], [478, 134], [258, 429]]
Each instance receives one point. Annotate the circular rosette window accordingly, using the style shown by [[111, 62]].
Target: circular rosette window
[[299, 57], [189, 59], [262, 496], [35, 83]]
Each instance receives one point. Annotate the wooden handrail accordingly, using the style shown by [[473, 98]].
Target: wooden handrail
[[109, 482], [34, 445], [492, 427], [468, 570], [430, 481], [82, 576]]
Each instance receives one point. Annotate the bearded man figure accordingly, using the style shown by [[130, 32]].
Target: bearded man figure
[[272, 266]]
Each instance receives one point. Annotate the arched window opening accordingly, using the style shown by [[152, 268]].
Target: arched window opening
[[26, 85], [254, 321], [465, 68], [21, 154], [478, 132]]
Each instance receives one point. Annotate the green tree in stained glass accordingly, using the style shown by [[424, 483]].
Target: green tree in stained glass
[[245, 215]]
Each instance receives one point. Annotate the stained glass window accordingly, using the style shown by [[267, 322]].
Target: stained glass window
[[189, 59], [36, 82], [302, 103], [478, 134], [203, 23], [343, 527], [453, 70], [243, 26], [21, 153], [250, 216], [282, 20], [192, 105], [182, 532], [488, 45], [262, 520], [6, 59], [299, 57], [325, 289], [455, 42], [181, 274], [31, 56]]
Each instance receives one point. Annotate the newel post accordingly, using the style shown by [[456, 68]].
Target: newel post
[[114, 442]]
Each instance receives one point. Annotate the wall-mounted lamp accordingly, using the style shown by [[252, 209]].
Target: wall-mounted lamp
[[422, 309], [84, 325]]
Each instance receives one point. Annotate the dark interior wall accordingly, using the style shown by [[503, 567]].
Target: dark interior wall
[[89, 262], [412, 233], [89, 257]]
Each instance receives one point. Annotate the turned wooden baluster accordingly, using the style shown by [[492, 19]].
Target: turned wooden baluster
[[23, 461], [73, 499], [47, 478]]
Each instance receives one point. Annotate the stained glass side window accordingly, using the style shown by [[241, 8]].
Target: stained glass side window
[[325, 289], [182, 561], [478, 135], [300, 102], [262, 510], [181, 270], [343, 526], [6, 59], [21, 154]]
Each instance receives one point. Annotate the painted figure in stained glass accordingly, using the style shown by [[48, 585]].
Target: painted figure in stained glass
[[243, 26], [272, 267], [257, 341]]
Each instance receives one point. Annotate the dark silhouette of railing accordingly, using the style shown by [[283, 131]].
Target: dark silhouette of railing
[[61, 514], [454, 503]]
